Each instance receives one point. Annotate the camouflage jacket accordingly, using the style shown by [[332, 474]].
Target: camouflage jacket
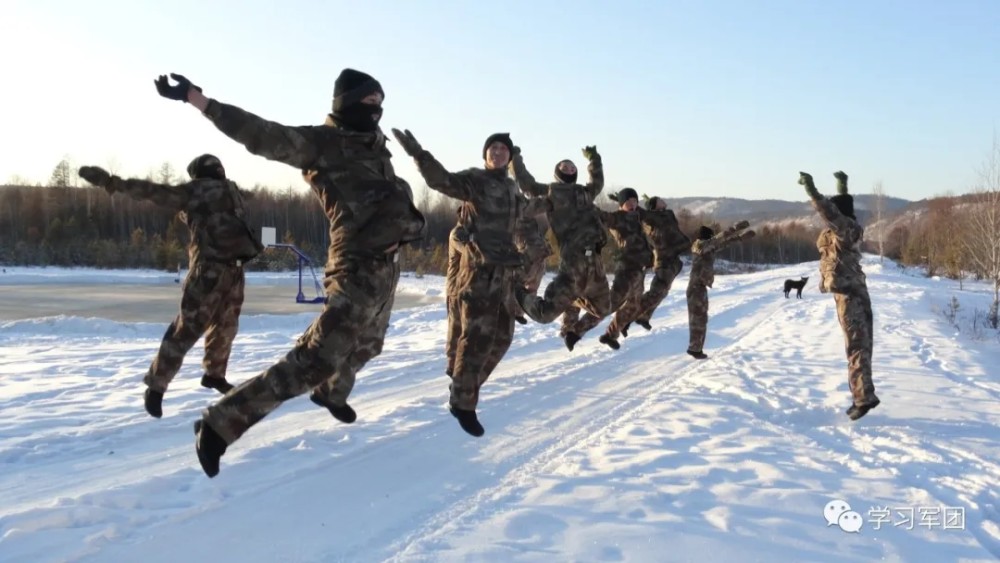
[[839, 250], [665, 235], [575, 220], [703, 254], [212, 209], [627, 230], [370, 209], [493, 208]]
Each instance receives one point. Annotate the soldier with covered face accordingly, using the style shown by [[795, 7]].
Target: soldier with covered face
[[839, 247], [703, 276], [579, 232], [634, 256], [371, 213], [488, 267], [220, 243], [663, 231]]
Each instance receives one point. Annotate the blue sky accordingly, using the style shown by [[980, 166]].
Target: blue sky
[[722, 98]]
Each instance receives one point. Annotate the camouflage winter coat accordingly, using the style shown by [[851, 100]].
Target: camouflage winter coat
[[839, 250], [627, 230], [575, 220], [493, 207], [370, 209], [665, 235], [212, 209]]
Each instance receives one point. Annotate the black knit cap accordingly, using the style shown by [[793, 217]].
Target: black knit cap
[[352, 86], [651, 203], [498, 137], [206, 166], [626, 194]]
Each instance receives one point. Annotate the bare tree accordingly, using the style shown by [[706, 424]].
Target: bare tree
[[879, 194], [166, 174], [63, 174], [983, 242]]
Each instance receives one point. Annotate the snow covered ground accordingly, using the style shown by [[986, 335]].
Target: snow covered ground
[[637, 455]]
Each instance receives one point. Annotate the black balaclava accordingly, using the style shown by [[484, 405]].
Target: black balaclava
[[206, 166], [348, 91], [651, 203], [705, 233], [566, 178]]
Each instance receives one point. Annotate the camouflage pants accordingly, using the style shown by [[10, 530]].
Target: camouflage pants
[[697, 298], [580, 282], [663, 279], [631, 305], [211, 303], [486, 329], [626, 288], [455, 252], [346, 335], [855, 313]]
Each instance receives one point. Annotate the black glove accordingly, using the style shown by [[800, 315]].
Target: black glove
[[95, 175], [179, 92], [590, 152], [408, 142]]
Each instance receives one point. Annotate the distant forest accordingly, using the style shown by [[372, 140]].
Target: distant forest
[[65, 223]]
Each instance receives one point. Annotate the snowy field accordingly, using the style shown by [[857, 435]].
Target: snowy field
[[643, 454]]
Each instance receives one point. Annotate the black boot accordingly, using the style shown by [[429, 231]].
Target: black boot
[[698, 355], [571, 338], [612, 342], [218, 383], [210, 447], [343, 413], [520, 319], [468, 421], [625, 330], [856, 412], [644, 324], [154, 402]]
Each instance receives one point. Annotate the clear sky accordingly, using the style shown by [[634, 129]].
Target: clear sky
[[715, 97]]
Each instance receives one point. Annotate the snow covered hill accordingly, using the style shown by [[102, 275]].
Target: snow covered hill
[[643, 454]]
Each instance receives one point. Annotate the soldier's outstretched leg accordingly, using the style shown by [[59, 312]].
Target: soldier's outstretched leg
[[222, 331], [595, 299], [199, 302], [334, 392], [621, 287], [659, 288], [454, 331], [483, 305], [854, 311], [559, 295], [697, 300], [627, 311], [357, 295]]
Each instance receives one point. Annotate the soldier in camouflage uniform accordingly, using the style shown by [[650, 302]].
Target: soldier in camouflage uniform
[[212, 295], [663, 231], [634, 256], [579, 232], [488, 267], [841, 274], [371, 213], [703, 276]]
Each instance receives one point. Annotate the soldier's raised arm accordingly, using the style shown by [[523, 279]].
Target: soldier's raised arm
[[525, 181], [438, 178], [595, 169], [294, 146], [173, 197], [836, 220]]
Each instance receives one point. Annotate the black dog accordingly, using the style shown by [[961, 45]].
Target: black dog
[[797, 285]]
